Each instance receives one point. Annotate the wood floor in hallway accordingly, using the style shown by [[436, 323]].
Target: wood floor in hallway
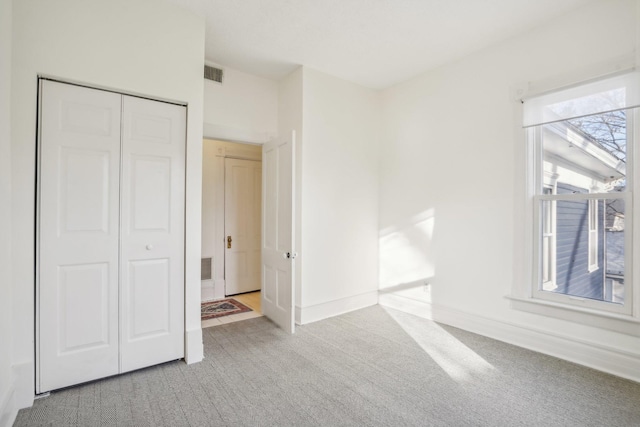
[[250, 299]]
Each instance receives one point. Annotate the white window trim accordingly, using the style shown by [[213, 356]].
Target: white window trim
[[551, 183], [535, 176], [521, 295], [593, 235]]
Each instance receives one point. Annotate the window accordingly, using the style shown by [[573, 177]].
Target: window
[[581, 179]]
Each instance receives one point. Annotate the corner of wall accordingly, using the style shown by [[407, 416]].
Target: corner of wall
[[23, 375], [8, 408], [194, 346], [337, 307], [298, 315], [19, 393]]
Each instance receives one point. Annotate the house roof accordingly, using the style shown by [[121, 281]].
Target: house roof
[[568, 146]]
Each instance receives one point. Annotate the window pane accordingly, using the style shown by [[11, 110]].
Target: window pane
[[548, 242], [582, 252], [586, 154]]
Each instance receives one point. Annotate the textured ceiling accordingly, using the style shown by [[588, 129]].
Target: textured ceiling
[[375, 43]]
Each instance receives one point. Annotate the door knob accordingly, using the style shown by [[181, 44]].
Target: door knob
[[149, 246], [228, 242]]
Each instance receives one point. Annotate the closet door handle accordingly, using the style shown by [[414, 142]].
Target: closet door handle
[[228, 242], [149, 246]]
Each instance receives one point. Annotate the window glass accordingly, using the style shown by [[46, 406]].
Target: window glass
[[587, 153], [581, 236], [567, 256]]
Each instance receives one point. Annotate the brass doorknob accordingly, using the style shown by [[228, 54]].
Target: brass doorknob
[[228, 242]]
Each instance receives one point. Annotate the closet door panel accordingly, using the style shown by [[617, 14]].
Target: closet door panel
[[152, 233], [151, 191], [149, 298], [78, 208]]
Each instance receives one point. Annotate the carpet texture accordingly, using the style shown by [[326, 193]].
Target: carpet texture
[[371, 367], [225, 307]]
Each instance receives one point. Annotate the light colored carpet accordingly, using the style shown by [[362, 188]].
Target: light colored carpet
[[372, 367]]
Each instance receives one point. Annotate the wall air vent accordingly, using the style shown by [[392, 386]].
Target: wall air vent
[[205, 269], [213, 73]]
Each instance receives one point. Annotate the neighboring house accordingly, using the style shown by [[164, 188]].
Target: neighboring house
[[579, 248], [578, 258]]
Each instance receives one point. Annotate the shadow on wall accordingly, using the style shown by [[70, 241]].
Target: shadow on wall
[[407, 265]]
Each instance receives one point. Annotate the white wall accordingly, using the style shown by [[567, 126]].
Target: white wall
[[290, 119], [243, 108], [339, 199], [7, 405], [449, 197], [143, 47], [212, 181]]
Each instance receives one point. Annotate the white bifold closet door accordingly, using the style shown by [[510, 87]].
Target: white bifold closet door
[[152, 233], [110, 234]]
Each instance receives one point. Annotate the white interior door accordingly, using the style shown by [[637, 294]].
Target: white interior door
[[242, 218], [78, 208], [152, 233], [278, 238]]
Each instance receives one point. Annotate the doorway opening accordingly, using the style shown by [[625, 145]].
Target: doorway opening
[[231, 231]]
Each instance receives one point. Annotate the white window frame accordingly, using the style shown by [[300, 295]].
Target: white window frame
[[525, 293], [592, 221], [549, 215], [535, 161]]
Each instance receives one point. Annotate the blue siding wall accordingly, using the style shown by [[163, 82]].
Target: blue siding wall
[[572, 247]]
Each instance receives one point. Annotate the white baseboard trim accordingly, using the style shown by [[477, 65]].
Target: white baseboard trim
[[220, 287], [8, 407], [207, 290], [604, 358], [194, 347], [19, 393], [406, 305], [328, 309], [298, 314], [24, 384]]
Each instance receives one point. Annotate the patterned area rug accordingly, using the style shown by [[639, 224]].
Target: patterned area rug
[[225, 307]]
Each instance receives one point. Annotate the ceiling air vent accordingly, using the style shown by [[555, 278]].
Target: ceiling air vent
[[213, 73]]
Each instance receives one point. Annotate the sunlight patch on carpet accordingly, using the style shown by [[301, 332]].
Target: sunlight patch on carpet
[[460, 362]]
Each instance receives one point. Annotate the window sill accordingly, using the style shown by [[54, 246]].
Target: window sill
[[625, 324]]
